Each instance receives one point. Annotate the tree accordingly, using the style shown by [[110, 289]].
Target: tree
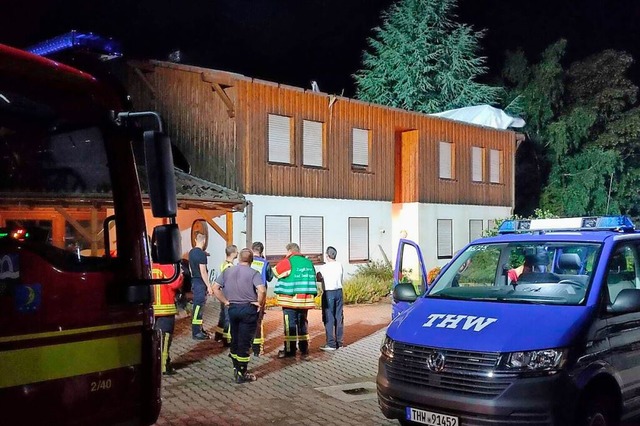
[[421, 60], [584, 121]]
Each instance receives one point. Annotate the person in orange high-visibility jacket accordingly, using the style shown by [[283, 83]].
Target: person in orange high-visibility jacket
[[165, 310]]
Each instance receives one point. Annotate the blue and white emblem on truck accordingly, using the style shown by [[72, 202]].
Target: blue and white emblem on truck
[[466, 322]]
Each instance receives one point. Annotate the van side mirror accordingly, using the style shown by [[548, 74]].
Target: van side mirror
[[628, 300], [404, 292], [165, 244], [161, 178]]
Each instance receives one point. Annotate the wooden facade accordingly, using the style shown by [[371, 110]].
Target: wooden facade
[[220, 121]]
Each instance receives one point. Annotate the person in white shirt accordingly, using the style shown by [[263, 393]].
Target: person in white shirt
[[331, 277]]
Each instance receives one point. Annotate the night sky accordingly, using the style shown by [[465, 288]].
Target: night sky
[[295, 41]]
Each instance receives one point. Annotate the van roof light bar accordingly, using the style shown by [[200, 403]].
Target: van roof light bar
[[590, 223], [107, 48]]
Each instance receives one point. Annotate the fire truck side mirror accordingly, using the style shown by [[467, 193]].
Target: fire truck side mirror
[[165, 244], [160, 176]]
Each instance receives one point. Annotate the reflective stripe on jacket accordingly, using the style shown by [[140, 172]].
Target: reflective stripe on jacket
[[164, 295]]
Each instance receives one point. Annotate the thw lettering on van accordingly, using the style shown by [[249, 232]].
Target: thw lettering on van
[[468, 322]]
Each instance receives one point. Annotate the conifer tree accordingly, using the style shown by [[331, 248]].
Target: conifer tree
[[421, 60]]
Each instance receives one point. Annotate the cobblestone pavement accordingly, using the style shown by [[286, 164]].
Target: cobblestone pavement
[[336, 388]]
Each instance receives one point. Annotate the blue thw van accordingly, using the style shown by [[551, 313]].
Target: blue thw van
[[537, 326]]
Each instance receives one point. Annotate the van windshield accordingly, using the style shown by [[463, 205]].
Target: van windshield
[[525, 272]]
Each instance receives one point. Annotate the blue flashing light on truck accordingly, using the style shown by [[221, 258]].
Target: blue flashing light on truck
[[536, 326]]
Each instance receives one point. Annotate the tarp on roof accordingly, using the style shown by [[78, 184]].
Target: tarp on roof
[[483, 115]]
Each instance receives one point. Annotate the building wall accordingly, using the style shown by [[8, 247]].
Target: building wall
[[336, 215], [419, 220], [232, 149], [386, 222], [195, 117], [388, 154]]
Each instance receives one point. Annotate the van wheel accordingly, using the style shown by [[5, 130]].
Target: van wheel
[[598, 411]]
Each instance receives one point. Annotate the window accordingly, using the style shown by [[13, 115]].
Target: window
[[475, 229], [446, 160], [358, 239], [495, 166], [311, 241], [477, 163], [360, 152], [280, 139], [621, 271], [312, 143], [69, 164], [277, 234], [445, 238]]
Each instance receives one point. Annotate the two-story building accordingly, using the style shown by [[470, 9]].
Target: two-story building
[[322, 170]]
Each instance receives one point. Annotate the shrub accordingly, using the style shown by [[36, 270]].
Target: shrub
[[369, 284], [432, 274], [363, 289]]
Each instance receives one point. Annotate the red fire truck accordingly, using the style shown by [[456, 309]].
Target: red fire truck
[[77, 344]]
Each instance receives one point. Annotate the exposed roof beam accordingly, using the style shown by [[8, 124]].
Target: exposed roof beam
[[217, 87]]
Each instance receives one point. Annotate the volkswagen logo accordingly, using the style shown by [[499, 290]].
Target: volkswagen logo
[[435, 362]]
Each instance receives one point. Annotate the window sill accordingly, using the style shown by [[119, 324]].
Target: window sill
[[271, 163], [318, 168], [361, 171], [353, 262], [315, 258]]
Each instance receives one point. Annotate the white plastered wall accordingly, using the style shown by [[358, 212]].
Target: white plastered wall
[[336, 214], [419, 222]]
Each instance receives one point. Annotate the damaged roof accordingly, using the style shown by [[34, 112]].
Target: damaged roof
[[192, 193]]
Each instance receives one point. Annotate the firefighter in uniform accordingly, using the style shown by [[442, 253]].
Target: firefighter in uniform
[[165, 310], [295, 291], [241, 290], [222, 331], [200, 286], [261, 265]]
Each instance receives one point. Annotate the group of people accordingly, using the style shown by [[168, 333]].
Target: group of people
[[241, 290]]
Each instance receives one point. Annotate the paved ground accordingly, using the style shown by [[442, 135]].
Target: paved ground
[[335, 388]]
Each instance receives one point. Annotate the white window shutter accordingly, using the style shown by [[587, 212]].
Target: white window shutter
[[445, 161], [477, 162], [445, 238], [360, 147], [495, 166], [311, 233], [279, 139], [358, 239], [475, 229], [277, 235], [312, 143]]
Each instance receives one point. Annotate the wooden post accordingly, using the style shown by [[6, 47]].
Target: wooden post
[[229, 228]]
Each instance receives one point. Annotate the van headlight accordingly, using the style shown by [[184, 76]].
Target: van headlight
[[550, 360], [386, 349]]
